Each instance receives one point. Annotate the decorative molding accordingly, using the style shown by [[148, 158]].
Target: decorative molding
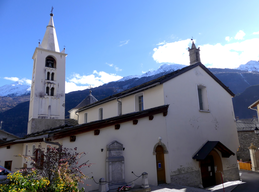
[[161, 144]]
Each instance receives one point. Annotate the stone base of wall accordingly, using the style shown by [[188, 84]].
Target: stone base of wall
[[35, 125], [231, 174], [245, 140], [192, 179]]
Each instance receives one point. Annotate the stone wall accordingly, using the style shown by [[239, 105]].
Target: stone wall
[[35, 125], [231, 174], [245, 140], [187, 179]]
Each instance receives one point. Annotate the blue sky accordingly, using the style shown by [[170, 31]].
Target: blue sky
[[109, 39]]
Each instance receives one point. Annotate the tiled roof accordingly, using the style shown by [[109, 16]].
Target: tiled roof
[[155, 82], [68, 130], [246, 124], [87, 101]]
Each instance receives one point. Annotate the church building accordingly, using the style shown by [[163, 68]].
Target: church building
[[179, 128]]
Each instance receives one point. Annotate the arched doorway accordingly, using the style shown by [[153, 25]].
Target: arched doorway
[[211, 169], [160, 164]]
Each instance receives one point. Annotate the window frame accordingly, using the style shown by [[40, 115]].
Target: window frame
[[203, 104], [139, 104], [50, 58], [85, 117], [100, 113]]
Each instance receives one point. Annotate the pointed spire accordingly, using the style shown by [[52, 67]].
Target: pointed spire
[[193, 45], [194, 53], [50, 40]]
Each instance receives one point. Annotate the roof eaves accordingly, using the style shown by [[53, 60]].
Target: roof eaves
[[253, 105], [108, 122]]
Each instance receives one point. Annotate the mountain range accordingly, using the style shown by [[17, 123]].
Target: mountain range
[[243, 81]]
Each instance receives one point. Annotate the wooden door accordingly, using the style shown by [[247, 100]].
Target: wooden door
[[160, 164], [208, 172]]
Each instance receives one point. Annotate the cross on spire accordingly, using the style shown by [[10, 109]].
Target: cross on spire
[[51, 12]]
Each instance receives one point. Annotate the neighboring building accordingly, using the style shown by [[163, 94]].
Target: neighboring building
[[246, 136], [5, 136], [179, 128], [47, 100], [248, 133]]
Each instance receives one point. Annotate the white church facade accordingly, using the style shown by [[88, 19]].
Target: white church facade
[[179, 128]]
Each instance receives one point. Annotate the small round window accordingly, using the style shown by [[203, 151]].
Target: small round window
[[50, 62]]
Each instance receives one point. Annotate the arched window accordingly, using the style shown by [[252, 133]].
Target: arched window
[[50, 62], [48, 74], [47, 90], [52, 91], [52, 76]]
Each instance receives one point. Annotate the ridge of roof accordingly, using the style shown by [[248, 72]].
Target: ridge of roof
[[159, 80], [90, 99], [1, 130]]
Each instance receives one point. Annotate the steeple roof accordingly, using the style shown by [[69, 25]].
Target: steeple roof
[[50, 40], [87, 101], [193, 45]]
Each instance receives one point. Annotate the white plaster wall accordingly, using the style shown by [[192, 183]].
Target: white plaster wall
[[11, 155], [152, 98], [138, 141], [110, 109], [188, 128], [72, 114]]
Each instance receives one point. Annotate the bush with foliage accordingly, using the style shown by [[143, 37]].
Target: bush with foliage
[[57, 169], [31, 182]]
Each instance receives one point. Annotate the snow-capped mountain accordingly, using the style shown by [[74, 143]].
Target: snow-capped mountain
[[250, 66], [19, 88], [15, 89], [166, 68]]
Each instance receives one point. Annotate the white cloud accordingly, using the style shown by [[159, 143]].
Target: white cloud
[[81, 82], [161, 43], [175, 52], [110, 64], [15, 79], [229, 55], [115, 67], [12, 78], [240, 35], [228, 38], [256, 33], [73, 87], [125, 42]]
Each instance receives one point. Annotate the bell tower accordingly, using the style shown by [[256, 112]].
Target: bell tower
[[47, 99], [194, 54]]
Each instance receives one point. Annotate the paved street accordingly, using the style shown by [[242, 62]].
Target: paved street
[[250, 182]]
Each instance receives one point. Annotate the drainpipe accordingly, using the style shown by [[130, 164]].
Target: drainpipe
[[77, 116]]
